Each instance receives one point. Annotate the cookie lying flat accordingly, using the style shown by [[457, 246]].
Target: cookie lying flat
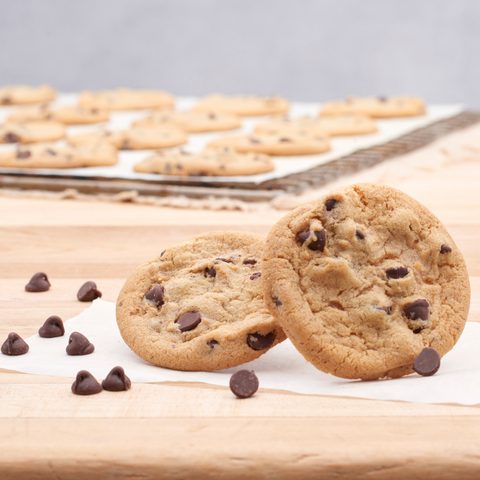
[[211, 162], [65, 115], [330, 126], [292, 143], [137, 138], [199, 305], [193, 122], [51, 156], [365, 279], [243, 105], [126, 99], [18, 94], [31, 132], [376, 107]]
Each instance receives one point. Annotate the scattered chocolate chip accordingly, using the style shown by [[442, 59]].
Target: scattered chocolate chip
[[330, 204], [223, 260], [257, 341], [85, 384], [11, 137], [284, 139], [88, 292], [156, 295], [38, 283], [188, 321], [125, 145], [396, 272], [276, 301], [360, 235], [79, 344], [417, 330], [255, 275], [445, 249], [244, 383], [385, 309], [116, 381], [212, 343], [23, 154], [6, 100], [254, 140], [211, 272], [212, 116], [417, 310], [14, 345], [316, 245], [51, 152], [53, 327], [249, 261], [161, 255], [427, 363]]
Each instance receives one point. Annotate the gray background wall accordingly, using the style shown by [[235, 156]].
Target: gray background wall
[[304, 49]]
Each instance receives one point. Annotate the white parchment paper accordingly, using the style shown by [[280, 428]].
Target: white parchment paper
[[283, 367]]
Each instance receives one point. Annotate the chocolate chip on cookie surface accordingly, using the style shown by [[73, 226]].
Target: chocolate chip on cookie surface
[[196, 307], [365, 306]]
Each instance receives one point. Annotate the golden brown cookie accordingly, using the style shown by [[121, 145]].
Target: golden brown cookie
[[18, 94], [363, 280], [31, 132], [199, 305]]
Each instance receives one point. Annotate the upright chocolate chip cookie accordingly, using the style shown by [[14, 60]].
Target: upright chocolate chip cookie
[[199, 306], [362, 282]]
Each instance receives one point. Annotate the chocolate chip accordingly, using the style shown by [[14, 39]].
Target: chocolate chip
[[161, 255], [53, 327], [316, 245], [11, 137], [6, 101], [212, 116], [223, 260], [212, 343], [244, 383], [397, 272], [285, 139], [125, 145], [255, 275], [330, 204], [51, 152], [427, 363], [276, 301], [254, 140], [249, 261], [116, 381], [382, 99], [360, 235], [417, 310], [85, 384], [156, 295], [188, 321], [79, 344], [38, 283], [257, 341], [445, 249], [211, 272], [23, 154], [14, 345], [88, 292], [385, 309]]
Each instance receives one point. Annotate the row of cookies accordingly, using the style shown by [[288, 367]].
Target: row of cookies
[[363, 283]]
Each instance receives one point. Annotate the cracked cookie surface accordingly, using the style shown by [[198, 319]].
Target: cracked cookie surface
[[363, 280], [199, 305]]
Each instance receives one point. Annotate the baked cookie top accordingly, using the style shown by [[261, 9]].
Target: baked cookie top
[[18, 94], [363, 280], [211, 162], [193, 122], [31, 132], [52, 156], [199, 305], [376, 107], [277, 144], [65, 115], [126, 99], [243, 105]]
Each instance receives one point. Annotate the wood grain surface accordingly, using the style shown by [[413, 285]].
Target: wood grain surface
[[190, 431]]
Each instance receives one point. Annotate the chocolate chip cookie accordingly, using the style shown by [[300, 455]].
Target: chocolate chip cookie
[[31, 132], [199, 305], [65, 115], [18, 94], [364, 280]]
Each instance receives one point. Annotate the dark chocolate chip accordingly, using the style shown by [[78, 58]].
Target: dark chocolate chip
[[212, 343], [330, 204], [53, 327], [276, 301], [51, 152], [23, 154], [11, 137], [385, 309], [417, 310], [244, 383], [316, 245], [38, 283], [397, 272], [88, 292], [445, 249], [285, 139], [223, 260], [212, 116], [211, 272], [6, 101], [254, 140], [85, 384], [382, 99], [255, 275], [14, 345], [188, 321], [161, 255], [156, 295], [427, 363], [360, 235], [125, 145], [116, 381], [249, 261], [257, 341], [79, 344]]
